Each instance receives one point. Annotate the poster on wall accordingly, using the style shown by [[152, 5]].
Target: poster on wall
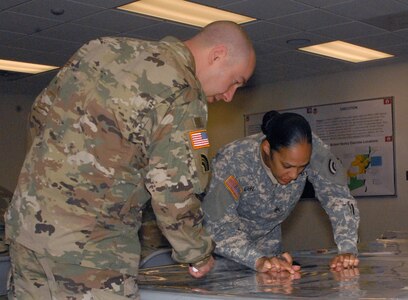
[[360, 133]]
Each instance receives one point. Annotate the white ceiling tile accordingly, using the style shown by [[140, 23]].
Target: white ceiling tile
[[32, 56], [44, 9], [44, 44], [310, 20], [159, 31], [262, 30], [116, 20], [379, 42], [262, 9], [104, 3], [7, 36], [69, 32], [216, 3], [365, 9], [266, 48], [298, 39], [322, 3], [24, 24], [11, 3], [349, 30]]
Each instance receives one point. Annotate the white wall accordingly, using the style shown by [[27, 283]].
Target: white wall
[[16, 98], [308, 226]]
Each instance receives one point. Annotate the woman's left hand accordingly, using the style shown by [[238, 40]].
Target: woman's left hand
[[344, 261]]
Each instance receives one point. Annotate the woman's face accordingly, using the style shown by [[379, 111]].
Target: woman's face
[[287, 163]]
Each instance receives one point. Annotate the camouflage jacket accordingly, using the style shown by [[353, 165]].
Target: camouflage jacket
[[122, 122], [245, 206]]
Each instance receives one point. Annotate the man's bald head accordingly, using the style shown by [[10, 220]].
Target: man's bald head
[[226, 33], [224, 59]]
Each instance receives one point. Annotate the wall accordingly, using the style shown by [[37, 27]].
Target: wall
[[13, 113], [16, 98], [308, 226]]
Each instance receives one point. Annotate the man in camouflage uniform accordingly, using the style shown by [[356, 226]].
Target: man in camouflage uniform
[[124, 121], [245, 204]]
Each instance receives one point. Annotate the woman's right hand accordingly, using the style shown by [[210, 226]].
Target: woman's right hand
[[277, 264]]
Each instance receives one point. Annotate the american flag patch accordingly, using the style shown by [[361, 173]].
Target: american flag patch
[[233, 186], [199, 139]]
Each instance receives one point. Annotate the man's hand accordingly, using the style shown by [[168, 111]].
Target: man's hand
[[198, 272], [277, 264], [344, 261]]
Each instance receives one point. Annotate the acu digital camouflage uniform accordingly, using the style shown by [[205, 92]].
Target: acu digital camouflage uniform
[[245, 205], [111, 131]]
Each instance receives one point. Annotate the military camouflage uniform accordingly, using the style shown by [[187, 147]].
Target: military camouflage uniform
[[111, 131], [245, 204]]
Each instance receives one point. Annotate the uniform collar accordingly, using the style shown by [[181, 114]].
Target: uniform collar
[[178, 46]]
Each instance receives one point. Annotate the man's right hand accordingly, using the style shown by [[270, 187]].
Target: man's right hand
[[198, 272], [277, 264]]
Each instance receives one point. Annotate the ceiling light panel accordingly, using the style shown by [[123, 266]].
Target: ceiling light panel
[[346, 51], [183, 12], [23, 67]]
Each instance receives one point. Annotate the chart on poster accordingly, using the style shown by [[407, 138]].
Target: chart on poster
[[360, 133]]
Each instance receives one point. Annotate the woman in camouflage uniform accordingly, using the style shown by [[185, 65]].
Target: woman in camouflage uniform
[[256, 183]]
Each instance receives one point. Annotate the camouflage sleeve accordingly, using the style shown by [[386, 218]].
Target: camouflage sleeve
[[177, 171], [330, 185], [223, 222]]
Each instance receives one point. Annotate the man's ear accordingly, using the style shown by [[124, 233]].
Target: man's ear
[[217, 53]]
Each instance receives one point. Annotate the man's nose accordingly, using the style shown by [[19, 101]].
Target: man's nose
[[229, 94]]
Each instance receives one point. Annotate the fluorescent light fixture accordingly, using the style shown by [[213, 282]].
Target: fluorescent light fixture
[[346, 51], [22, 67], [183, 12]]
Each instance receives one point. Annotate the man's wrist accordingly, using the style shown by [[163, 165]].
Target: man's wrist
[[200, 263]]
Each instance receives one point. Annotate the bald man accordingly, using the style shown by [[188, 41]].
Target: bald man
[[122, 123]]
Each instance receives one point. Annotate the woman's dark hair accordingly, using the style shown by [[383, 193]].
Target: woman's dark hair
[[285, 130]]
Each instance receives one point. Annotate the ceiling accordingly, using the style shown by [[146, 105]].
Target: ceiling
[[31, 32]]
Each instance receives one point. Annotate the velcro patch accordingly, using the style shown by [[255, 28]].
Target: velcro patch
[[233, 186], [199, 139]]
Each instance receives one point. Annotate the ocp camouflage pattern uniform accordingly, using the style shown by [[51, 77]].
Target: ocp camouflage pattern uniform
[[245, 205], [111, 131]]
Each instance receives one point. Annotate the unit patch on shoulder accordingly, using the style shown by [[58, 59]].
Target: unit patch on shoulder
[[198, 122], [233, 186], [332, 166], [199, 139], [205, 164]]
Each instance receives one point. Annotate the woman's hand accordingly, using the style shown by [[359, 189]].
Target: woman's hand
[[344, 261], [277, 264]]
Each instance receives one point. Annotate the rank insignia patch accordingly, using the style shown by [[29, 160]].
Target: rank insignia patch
[[199, 139], [233, 186]]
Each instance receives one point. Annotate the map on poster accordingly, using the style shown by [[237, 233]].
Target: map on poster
[[360, 133]]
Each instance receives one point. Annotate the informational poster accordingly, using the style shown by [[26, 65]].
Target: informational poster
[[360, 133]]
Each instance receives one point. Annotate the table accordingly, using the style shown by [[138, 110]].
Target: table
[[382, 274]]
